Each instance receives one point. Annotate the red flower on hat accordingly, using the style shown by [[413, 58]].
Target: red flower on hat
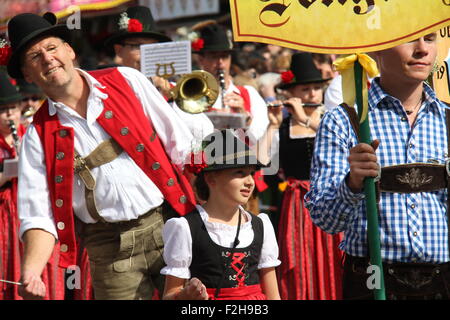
[[197, 162], [287, 76], [198, 44], [5, 53], [134, 25]]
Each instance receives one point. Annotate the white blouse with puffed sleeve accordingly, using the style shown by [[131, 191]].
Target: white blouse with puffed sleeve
[[178, 242]]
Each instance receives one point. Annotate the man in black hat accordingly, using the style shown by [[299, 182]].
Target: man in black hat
[[31, 101], [214, 55], [126, 43], [104, 148], [136, 27]]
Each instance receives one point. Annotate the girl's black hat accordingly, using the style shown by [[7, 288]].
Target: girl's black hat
[[224, 150], [303, 70]]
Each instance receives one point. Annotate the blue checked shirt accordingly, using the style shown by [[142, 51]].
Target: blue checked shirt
[[413, 227]]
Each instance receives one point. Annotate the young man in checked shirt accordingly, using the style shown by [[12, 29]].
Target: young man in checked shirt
[[408, 125]]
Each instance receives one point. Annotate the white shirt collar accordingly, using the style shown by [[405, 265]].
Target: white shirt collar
[[93, 88]]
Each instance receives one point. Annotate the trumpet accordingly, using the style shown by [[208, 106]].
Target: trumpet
[[16, 139], [195, 92]]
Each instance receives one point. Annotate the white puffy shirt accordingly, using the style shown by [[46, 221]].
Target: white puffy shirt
[[178, 242], [123, 191]]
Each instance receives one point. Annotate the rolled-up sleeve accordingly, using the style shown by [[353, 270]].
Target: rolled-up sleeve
[[34, 207]]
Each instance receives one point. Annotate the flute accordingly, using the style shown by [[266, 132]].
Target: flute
[[287, 104], [12, 127]]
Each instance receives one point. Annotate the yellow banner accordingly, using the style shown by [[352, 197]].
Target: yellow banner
[[337, 26], [441, 76]]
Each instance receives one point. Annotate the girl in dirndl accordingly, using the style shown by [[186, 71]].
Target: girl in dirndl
[[220, 251], [10, 246], [311, 260]]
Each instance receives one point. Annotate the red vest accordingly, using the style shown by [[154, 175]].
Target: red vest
[[246, 97], [124, 120]]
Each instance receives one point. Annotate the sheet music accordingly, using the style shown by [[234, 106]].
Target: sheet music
[[166, 59]]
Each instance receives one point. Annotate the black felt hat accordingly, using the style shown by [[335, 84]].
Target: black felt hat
[[26, 87], [9, 93], [302, 71], [224, 150], [27, 27], [143, 25], [212, 37]]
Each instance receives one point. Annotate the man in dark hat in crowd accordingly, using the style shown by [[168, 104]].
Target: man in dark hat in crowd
[[128, 147], [126, 43], [214, 48], [31, 101], [136, 27], [409, 156]]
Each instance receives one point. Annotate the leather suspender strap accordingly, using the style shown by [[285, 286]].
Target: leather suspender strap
[[353, 117], [105, 152]]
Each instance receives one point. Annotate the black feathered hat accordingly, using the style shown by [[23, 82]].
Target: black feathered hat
[[222, 149], [9, 93], [212, 37], [27, 27], [302, 71], [135, 22]]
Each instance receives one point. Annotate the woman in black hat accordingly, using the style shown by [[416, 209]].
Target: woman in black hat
[[10, 133], [225, 251], [310, 258]]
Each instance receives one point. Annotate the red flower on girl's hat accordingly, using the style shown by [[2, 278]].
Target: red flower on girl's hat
[[5, 53], [197, 162], [287, 76], [198, 44], [134, 25]]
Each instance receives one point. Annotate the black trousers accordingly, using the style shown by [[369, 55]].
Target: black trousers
[[403, 281]]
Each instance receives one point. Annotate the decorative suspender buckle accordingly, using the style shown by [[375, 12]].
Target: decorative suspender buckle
[[79, 164], [447, 165], [378, 177]]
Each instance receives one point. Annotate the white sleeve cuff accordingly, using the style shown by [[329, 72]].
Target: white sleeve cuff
[[37, 223], [182, 273]]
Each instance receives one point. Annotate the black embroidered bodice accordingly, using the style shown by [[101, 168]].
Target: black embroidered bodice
[[295, 154], [210, 261]]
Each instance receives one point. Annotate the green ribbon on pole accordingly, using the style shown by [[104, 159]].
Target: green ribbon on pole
[[369, 190]]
